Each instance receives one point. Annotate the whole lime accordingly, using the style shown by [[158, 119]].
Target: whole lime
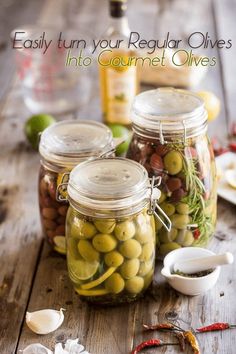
[[35, 125], [119, 131]]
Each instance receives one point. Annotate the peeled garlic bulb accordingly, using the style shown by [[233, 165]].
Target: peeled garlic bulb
[[36, 348], [44, 321]]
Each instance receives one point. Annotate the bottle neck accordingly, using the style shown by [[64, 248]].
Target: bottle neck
[[119, 25]]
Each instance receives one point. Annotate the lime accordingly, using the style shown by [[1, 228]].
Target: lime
[[119, 131], [100, 280], [60, 244], [212, 104], [35, 125], [81, 269]]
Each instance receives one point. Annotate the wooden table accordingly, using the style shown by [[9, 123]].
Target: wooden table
[[31, 276]]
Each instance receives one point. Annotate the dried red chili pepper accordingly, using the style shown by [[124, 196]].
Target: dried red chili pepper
[[196, 234], [160, 326], [192, 340], [218, 326], [150, 343], [232, 146], [181, 340]]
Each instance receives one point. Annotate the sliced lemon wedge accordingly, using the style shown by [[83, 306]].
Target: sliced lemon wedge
[[100, 280], [81, 270], [60, 244], [97, 292]]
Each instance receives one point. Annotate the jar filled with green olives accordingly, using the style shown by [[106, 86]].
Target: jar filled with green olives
[[62, 146], [110, 230], [170, 140]]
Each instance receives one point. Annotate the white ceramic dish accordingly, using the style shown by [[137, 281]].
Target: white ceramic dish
[[223, 163], [185, 285]]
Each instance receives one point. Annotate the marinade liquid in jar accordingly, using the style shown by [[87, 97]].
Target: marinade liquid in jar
[[170, 140], [110, 230], [62, 146]]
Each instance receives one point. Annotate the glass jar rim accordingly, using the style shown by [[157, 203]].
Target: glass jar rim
[[169, 111], [70, 142], [109, 184]]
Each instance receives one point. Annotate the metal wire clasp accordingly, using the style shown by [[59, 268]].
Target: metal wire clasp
[[61, 191], [154, 197]]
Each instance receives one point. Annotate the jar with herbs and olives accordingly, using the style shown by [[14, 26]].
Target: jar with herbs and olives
[[110, 230], [62, 146], [170, 140]]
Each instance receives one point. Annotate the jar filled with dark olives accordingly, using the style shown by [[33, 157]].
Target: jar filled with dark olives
[[62, 146], [110, 230], [170, 140]]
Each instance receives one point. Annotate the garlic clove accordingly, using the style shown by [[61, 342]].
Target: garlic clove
[[44, 321], [36, 348], [72, 346]]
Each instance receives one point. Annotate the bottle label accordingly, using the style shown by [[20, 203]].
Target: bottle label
[[121, 88]]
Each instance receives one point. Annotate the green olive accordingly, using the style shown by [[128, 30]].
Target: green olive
[[147, 251], [131, 249], [115, 283], [124, 230], [134, 285], [173, 162], [87, 251], [165, 236], [158, 224], [113, 259], [144, 233], [168, 247], [189, 239], [82, 229], [162, 198], [168, 208], [185, 238], [105, 226], [182, 208], [129, 268], [145, 267], [104, 243], [179, 221]]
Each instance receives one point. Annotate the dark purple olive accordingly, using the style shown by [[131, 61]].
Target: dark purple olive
[[177, 195], [173, 183]]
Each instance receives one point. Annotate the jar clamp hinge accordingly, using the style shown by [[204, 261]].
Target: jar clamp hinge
[[154, 196], [161, 135]]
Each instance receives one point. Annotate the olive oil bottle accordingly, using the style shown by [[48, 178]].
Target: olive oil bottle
[[118, 81]]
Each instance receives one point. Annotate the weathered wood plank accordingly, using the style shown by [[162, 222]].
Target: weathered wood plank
[[20, 235]]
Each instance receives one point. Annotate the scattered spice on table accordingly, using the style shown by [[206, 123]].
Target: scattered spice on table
[[218, 326], [194, 275]]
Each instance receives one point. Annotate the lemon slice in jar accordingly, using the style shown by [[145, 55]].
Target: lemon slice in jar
[[98, 292], [60, 244], [82, 270], [100, 280]]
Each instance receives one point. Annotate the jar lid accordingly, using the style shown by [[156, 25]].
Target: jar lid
[[108, 184], [67, 143], [168, 109]]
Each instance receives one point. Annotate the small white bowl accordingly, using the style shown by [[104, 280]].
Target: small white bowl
[[185, 285]]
